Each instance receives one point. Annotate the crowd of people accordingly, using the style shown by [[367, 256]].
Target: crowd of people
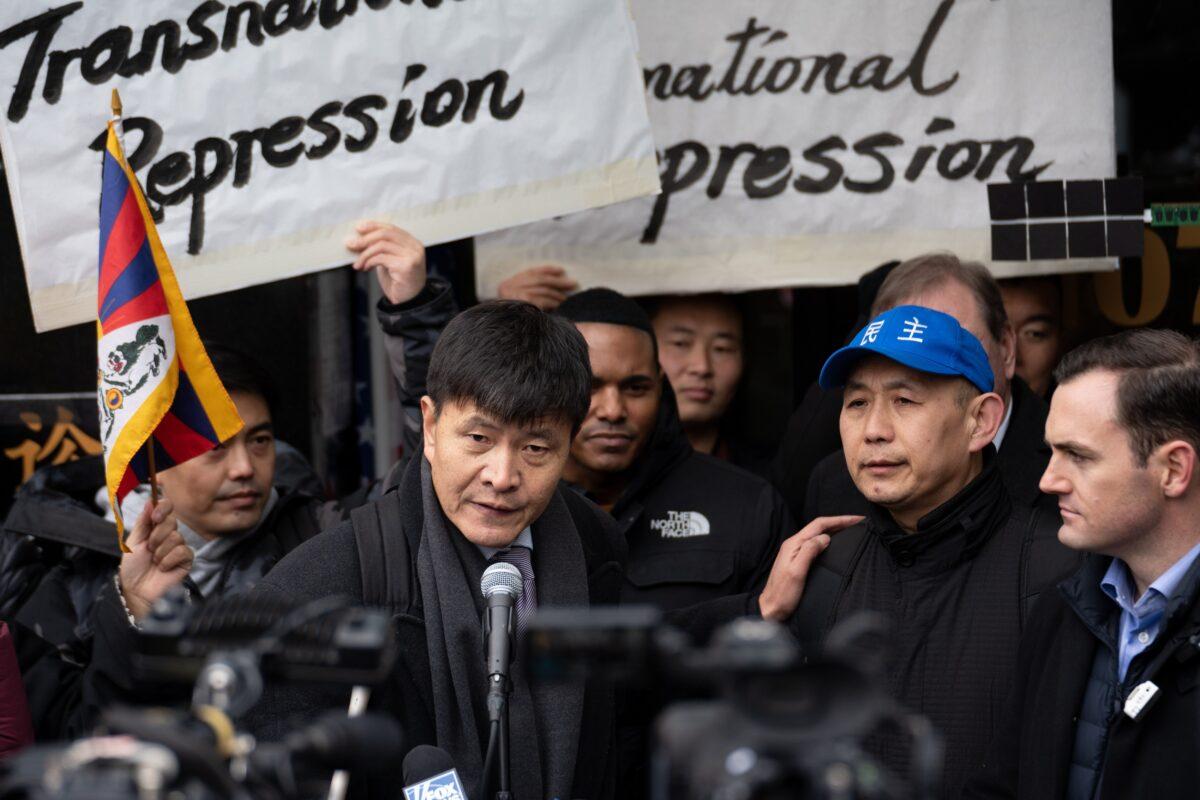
[[1027, 522]]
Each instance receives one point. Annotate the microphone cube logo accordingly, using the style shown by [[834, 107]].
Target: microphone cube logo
[[445, 786]]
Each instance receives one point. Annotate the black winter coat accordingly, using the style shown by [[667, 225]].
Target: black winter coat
[[1156, 756], [698, 528], [57, 558], [56, 550], [330, 565], [957, 592], [58, 561]]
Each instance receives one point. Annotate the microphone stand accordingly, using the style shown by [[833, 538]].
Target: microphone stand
[[504, 792], [499, 687], [497, 705]]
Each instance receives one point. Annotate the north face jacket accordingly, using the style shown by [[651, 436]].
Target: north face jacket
[[698, 528]]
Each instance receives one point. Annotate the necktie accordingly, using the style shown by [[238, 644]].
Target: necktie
[[522, 558]]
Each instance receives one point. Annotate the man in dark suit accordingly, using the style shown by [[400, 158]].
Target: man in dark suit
[[967, 292], [1105, 701]]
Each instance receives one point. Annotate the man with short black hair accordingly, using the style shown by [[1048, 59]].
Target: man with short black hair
[[944, 553], [221, 524], [701, 342], [1105, 703], [1034, 307], [508, 387]]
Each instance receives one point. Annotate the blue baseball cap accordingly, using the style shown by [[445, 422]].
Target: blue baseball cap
[[917, 337]]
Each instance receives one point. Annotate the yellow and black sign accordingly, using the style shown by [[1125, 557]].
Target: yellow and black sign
[[44, 430]]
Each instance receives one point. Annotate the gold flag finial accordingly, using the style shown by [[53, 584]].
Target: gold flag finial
[[116, 103]]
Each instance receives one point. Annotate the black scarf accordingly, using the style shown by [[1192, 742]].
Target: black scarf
[[544, 723]]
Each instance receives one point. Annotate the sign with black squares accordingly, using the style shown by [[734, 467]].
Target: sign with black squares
[[1047, 220]]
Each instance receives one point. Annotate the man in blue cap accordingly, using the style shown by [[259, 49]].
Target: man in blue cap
[[941, 551]]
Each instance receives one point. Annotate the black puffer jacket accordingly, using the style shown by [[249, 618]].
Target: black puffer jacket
[[59, 561], [56, 550], [957, 593]]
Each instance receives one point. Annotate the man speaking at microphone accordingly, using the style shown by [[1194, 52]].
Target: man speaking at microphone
[[509, 386]]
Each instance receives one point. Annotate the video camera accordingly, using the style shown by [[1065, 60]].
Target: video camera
[[783, 724], [225, 651]]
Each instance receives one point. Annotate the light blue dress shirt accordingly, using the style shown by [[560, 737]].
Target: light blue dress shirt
[[1141, 621]]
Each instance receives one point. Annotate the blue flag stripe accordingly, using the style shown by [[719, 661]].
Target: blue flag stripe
[[188, 410], [114, 187], [139, 276]]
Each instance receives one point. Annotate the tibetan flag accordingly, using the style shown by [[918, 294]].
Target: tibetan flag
[[156, 383]]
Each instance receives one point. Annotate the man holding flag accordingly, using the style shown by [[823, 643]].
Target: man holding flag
[[166, 418], [161, 402]]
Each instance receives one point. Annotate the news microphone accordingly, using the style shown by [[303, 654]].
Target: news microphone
[[429, 774], [501, 587]]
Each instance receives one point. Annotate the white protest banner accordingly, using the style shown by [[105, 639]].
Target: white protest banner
[[804, 142], [263, 129]]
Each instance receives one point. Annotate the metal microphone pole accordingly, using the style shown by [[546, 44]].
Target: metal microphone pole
[[501, 586], [498, 689], [504, 792]]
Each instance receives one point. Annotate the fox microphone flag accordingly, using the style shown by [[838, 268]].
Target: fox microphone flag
[[160, 399]]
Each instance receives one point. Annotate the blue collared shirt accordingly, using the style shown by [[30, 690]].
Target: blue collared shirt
[[1141, 621]]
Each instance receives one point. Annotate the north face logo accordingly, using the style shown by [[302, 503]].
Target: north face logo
[[681, 524]]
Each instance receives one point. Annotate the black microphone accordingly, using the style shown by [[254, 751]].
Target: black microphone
[[425, 763], [364, 744], [370, 744], [501, 586]]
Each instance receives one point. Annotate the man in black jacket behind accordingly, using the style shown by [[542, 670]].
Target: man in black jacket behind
[[59, 559], [698, 528], [1106, 701], [944, 553]]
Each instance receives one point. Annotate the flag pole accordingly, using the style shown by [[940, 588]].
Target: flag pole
[[152, 472], [116, 110]]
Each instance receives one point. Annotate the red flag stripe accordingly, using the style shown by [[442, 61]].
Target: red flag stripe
[[128, 483], [124, 241], [150, 303], [180, 441]]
